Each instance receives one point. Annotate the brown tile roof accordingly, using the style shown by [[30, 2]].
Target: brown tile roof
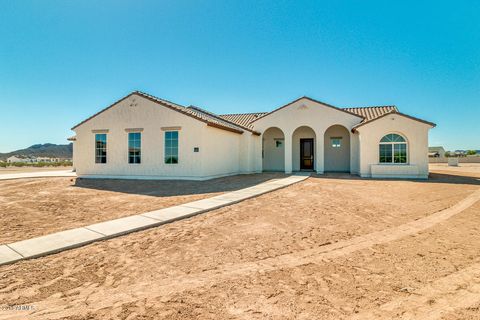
[[225, 121], [243, 119], [393, 112], [196, 113], [370, 113], [367, 113]]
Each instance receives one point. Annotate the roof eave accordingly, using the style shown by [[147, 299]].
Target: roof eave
[[222, 119], [214, 125], [433, 125], [158, 101]]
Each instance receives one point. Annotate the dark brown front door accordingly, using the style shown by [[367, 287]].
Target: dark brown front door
[[306, 154]]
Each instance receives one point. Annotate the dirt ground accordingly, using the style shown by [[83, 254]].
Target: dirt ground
[[35, 207], [9, 170], [326, 248], [465, 169]]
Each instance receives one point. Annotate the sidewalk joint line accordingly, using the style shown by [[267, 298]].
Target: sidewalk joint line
[[21, 255], [87, 227]]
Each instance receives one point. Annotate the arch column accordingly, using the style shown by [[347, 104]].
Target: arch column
[[288, 152], [320, 152]]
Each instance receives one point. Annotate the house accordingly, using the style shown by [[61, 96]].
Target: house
[[20, 159], [436, 152], [13, 159], [31, 159], [459, 153], [47, 159], [144, 137]]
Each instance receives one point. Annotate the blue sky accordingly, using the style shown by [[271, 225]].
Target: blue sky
[[61, 61]]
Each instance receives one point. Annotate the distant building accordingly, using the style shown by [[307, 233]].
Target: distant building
[[22, 159], [26, 159], [460, 153], [47, 159], [436, 152]]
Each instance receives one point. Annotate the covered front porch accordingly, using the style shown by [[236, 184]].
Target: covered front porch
[[306, 149]]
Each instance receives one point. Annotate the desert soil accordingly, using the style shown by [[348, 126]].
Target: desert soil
[[35, 207], [10, 170], [325, 248]]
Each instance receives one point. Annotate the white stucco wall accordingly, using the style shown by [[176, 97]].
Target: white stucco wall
[[250, 146], [219, 150], [273, 156], [355, 153], [337, 159], [74, 155], [416, 134], [306, 112]]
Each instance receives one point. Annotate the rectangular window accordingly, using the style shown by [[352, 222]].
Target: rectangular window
[[134, 147], [336, 142], [171, 146], [400, 153], [385, 153], [100, 148]]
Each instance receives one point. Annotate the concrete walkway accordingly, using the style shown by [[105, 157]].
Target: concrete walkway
[[64, 240], [38, 174]]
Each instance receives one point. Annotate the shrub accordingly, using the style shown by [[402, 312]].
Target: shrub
[[37, 164]]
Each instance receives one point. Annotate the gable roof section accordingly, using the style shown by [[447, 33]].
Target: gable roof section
[[368, 114], [101, 111], [390, 113], [373, 112], [244, 121], [209, 120], [313, 100]]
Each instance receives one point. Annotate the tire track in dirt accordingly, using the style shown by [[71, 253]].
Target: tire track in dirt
[[165, 287], [455, 291]]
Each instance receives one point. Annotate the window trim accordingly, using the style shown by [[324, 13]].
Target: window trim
[[339, 142], [392, 144], [165, 147], [128, 148], [96, 148]]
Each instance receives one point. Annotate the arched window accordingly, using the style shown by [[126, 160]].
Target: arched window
[[393, 149]]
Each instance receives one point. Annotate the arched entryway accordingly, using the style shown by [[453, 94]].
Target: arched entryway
[[273, 150], [303, 149], [337, 149]]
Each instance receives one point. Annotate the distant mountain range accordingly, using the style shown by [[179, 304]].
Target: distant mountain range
[[43, 150]]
